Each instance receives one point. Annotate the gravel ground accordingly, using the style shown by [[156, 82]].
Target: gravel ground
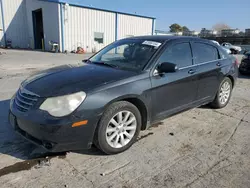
[[198, 148]]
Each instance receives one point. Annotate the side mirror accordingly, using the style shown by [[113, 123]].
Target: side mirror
[[167, 67]]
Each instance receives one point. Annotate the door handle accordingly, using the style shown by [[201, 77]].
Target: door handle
[[192, 71], [218, 64]]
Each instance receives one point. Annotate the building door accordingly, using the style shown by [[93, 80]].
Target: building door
[[37, 16]]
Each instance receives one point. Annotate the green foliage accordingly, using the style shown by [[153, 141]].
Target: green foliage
[[185, 29], [175, 28]]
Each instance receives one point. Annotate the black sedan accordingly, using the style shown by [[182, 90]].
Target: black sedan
[[245, 64], [121, 90]]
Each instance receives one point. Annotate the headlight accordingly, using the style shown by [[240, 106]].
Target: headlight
[[63, 105]]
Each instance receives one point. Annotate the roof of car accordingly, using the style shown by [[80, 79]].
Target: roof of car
[[165, 38]]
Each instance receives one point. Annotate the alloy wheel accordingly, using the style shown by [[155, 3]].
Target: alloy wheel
[[121, 129], [225, 92]]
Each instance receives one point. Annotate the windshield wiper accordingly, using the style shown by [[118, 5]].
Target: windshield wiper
[[105, 64]]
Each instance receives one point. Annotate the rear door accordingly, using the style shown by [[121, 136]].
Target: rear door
[[173, 92], [207, 59]]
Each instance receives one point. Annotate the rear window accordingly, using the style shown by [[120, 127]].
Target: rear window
[[204, 53]]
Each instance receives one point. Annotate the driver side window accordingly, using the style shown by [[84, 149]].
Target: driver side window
[[179, 54], [115, 54]]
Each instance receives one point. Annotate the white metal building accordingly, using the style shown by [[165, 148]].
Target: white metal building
[[34, 23], [229, 32]]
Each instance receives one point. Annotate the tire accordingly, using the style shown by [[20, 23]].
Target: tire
[[218, 101], [241, 72], [112, 142]]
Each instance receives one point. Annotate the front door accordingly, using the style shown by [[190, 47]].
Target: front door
[[173, 92]]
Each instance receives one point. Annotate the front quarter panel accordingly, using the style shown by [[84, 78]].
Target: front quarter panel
[[98, 100]]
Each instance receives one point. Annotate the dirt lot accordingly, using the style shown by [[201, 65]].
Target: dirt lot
[[199, 148]]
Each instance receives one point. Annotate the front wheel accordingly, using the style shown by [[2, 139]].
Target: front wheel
[[224, 94], [118, 128]]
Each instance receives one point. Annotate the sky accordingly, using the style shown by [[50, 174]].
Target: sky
[[195, 14]]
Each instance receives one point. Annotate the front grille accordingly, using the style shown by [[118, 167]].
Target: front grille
[[25, 99]]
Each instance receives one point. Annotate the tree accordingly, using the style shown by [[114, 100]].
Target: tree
[[185, 29], [220, 26], [174, 28]]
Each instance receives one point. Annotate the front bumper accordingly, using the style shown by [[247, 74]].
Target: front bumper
[[53, 134]]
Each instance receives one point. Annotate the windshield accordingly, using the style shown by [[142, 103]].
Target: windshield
[[129, 54]]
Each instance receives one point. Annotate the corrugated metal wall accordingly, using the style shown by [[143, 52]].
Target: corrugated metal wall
[[51, 25], [133, 26], [15, 22], [80, 25]]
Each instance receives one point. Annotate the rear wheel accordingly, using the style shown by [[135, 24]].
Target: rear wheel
[[224, 94], [118, 128]]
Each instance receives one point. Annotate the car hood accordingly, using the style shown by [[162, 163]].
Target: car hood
[[69, 79], [234, 47], [238, 47]]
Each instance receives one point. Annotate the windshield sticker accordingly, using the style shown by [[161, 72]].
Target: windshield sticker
[[152, 43]]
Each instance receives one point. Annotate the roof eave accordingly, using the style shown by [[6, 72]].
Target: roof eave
[[93, 8]]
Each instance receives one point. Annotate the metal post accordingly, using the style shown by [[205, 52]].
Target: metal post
[[153, 26], [4, 32], [116, 26], [116, 29], [62, 25]]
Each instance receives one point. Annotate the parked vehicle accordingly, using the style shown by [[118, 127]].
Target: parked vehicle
[[121, 90], [227, 50], [245, 64], [234, 49]]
